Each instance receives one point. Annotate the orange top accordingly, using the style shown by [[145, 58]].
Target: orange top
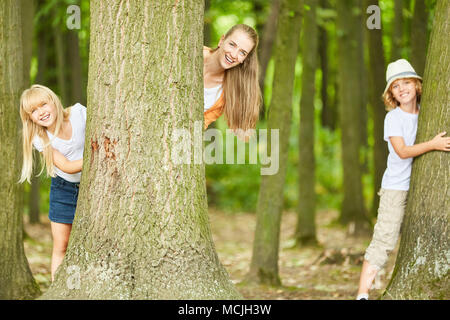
[[213, 113]]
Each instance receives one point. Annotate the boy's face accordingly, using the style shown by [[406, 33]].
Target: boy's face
[[44, 115], [404, 90], [234, 49]]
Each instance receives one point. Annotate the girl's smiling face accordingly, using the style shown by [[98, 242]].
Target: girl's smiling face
[[44, 114], [234, 49], [404, 90]]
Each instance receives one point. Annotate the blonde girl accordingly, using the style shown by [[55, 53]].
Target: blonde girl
[[58, 134], [231, 79], [401, 97]]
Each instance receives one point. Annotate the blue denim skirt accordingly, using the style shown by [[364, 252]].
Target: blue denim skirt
[[63, 200]]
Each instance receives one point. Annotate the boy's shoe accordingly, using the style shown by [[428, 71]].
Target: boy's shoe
[[362, 296]]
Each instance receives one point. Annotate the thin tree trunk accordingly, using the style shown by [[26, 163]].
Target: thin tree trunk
[[397, 34], [60, 65], [377, 67], [352, 210], [141, 229], [266, 45], [305, 233], [363, 84], [76, 77], [264, 263], [419, 36], [421, 269], [207, 27], [16, 280]]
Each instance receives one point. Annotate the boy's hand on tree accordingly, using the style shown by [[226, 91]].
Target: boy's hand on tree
[[439, 142]]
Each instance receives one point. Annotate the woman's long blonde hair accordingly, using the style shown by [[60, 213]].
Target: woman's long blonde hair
[[30, 99], [241, 90]]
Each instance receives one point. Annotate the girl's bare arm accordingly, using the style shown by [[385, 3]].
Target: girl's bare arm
[[65, 165]]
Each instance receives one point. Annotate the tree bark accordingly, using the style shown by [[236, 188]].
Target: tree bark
[[60, 64], [352, 210], [266, 45], [419, 36], [421, 269], [305, 233], [397, 34], [264, 263], [76, 77], [16, 280], [328, 114], [141, 229], [377, 67]]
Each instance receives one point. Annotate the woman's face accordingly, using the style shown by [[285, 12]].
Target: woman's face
[[404, 90], [234, 49], [44, 115]]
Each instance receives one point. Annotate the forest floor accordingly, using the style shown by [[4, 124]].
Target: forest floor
[[327, 271]]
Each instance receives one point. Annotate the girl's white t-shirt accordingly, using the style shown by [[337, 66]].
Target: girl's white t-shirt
[[398, 123], [73, 148], [211, 95]]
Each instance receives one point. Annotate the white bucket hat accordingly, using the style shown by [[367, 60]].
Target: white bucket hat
[[398, 70]]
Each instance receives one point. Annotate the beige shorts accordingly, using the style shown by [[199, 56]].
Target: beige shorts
[[387, 229]]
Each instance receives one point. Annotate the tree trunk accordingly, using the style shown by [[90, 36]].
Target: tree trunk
[[264, 263], [207, 27], [60, 65], [16, 280], [377, 67], [352, 210], [76, 77], [421, 269], [397, 34], [363, 83], [306, 227], [419, 36], [328, 117], [141, 229], [266, 45]]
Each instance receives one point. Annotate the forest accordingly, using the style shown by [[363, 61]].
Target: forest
[[285, 215]]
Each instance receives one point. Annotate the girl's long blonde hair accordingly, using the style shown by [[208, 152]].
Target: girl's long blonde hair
[[241, 90], [30, 99]]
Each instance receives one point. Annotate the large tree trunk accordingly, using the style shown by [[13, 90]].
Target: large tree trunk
[[421, 269], [306, 227], [419, 36], [377, 67], [264, 263], [352, 210], [141, 229], [16, 280]]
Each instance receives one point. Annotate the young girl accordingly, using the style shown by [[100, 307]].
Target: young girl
[[401, 97], [59, 135], [231, 79]]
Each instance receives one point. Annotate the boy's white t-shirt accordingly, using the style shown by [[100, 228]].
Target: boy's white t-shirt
[[73, 148], [398, 123], [211, 95]]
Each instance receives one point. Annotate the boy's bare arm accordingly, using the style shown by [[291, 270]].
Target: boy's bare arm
[[439, 142]]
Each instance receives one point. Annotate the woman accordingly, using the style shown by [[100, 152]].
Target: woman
[[230, 74]]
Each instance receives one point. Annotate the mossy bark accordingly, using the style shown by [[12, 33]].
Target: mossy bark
[[16, 280], [141, 229], [422, 269], [306, 227], [352, 210], [264, 263]]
